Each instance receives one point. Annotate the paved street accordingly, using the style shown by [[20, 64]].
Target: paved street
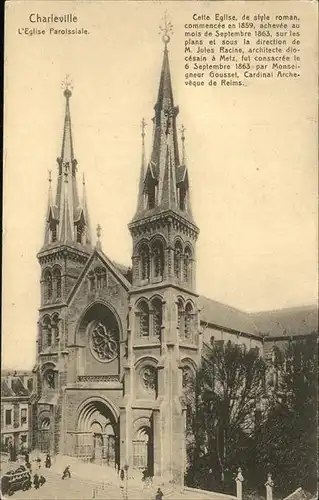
[[90, 481], [75, 488]]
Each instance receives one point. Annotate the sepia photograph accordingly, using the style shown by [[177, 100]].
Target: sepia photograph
[[160, 250]]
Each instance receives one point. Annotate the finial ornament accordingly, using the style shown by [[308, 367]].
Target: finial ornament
[[98, 231], [166, 29], [143, 127], [50, 177], [183, 130], [67, 86]]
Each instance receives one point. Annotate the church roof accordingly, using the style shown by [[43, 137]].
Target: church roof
[[276, 323], [291, 321], [6, 392], [225, 316], [12, 386]]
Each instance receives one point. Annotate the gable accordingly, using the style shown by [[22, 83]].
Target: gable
[[104, 272]]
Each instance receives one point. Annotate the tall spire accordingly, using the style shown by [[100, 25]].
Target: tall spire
[[165, 182], [140, 199], [68, 222]]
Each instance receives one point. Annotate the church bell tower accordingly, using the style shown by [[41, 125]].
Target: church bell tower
[[163, 334], [66, 249]]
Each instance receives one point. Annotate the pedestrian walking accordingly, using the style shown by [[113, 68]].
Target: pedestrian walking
[[36, 481], [48, 461], [122, 476], [42, 480], [159, 494], [66, 472]]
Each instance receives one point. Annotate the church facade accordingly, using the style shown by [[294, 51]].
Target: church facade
[[116, 345]]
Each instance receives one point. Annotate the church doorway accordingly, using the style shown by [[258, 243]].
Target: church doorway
[[143, 450], [97, 434], [44, 435]]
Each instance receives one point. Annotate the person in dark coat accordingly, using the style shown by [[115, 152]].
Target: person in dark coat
[[66, 473], [159, 494], [48, 461], [27, 457], [36, 482], [122, 476], [42, 480]]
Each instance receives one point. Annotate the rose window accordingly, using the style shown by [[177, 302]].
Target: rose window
[[103, 342]]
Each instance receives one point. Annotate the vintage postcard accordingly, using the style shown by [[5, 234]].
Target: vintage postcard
[[160, 313]]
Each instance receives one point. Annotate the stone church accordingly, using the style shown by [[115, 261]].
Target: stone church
[[116, 344]]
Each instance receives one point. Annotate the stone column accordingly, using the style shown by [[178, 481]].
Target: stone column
[[157, 442], [269, 487], [239, 484]]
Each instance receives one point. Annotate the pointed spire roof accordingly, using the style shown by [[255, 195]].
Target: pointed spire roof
[[67, 218], [164, 183]]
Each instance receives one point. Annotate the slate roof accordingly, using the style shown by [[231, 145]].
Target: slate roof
[[13, 388], [5, 389], [280, 322], [18, 387], [226, 316], [292, 321]]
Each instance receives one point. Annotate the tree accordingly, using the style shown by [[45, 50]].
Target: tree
[[230, 382], [287, 442]]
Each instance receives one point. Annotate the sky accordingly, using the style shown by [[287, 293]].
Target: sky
[[251, 154]]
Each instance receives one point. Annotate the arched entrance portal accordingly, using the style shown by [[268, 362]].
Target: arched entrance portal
[[143, 455], [97, 434]]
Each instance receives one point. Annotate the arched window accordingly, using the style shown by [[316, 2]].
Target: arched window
[[103, 277], [158, 259], [182, 196], [46, 332], [57, 282], [91, 277], [49, 379], [189, 321], [177, 260], [48, 289], [187, 265], [53, 229], [143, 319], [156, 317], [145, 262], [180, 317], [100, 277], [79, 232], [55, 329], [151, 193]]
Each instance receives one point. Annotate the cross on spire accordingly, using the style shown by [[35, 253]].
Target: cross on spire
[[50, 177], [143, 127], [67, 86], [98, 231], [166, 30]]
